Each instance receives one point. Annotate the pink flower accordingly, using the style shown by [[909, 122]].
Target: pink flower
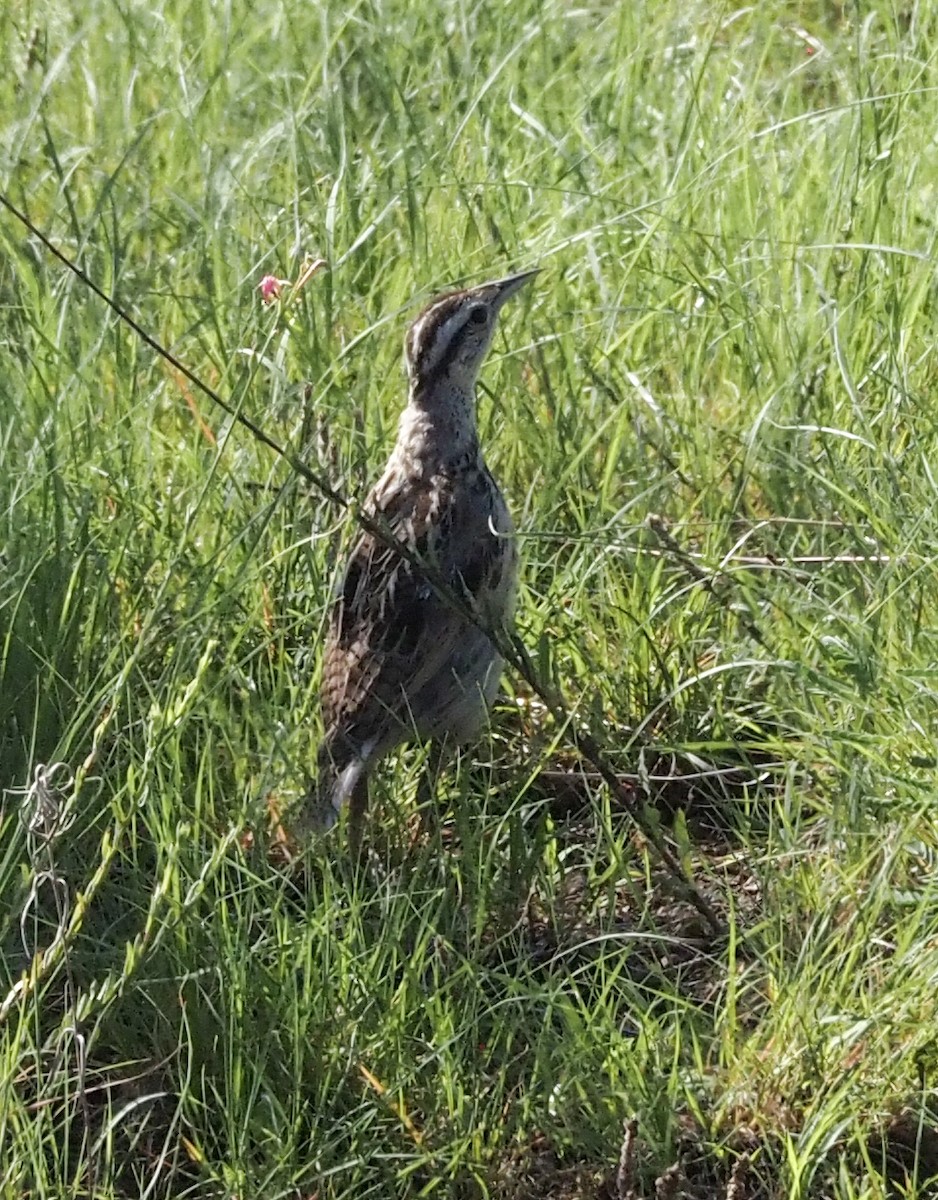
[[270, 287]]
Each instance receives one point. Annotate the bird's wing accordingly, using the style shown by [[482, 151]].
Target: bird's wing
[[390, 632]]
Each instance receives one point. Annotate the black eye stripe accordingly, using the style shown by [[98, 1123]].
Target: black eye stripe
[[450, 352]]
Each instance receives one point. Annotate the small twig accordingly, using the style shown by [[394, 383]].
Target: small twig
[[625, 1175], [779, 562], [668, 1184], [736, 1188], [626, 777]]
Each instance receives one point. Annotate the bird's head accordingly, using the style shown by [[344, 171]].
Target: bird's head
[[447, 343]]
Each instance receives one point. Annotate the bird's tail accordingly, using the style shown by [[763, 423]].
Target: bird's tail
[[337, 781]]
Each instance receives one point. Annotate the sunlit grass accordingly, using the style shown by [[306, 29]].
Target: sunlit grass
[[712, 417]]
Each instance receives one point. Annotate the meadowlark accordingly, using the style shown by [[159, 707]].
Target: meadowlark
[[400, 663]]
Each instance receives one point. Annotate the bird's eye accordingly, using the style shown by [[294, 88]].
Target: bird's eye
[[478, 315]]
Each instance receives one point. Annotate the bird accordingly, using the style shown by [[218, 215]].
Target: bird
[[400, 663]]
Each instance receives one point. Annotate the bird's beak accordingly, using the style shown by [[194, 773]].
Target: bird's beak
[[505, 288]]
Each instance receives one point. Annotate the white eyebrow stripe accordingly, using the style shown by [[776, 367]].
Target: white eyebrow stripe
[[442, 336]]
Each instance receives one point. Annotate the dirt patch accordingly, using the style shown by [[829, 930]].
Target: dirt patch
[[534, 1172], [906, 1152]]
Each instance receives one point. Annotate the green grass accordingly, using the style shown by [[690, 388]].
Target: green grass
[[734, 210]]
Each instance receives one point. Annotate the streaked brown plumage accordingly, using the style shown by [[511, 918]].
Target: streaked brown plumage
[[400, 664]]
